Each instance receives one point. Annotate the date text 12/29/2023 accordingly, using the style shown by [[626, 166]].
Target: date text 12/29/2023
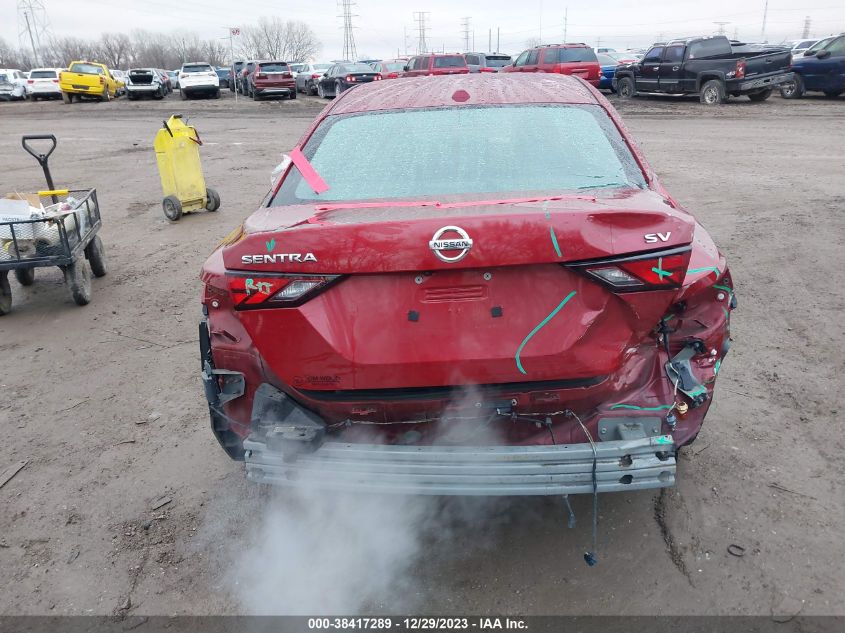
[[417, 624]]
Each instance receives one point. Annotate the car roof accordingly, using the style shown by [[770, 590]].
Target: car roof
[[570, 45], [483, 89]]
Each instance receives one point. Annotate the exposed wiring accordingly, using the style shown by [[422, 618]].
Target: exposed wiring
[[590, 557]]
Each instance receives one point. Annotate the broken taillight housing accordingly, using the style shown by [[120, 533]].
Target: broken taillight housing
[[658, 270], [276, 291]]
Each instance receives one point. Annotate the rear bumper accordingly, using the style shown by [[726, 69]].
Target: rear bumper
[[622, 465], [143, 88], [267, 90], [766, 82]]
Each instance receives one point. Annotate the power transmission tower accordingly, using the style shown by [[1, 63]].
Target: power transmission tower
[[420, 18], [721, 26], [465, 31], [806, 32], [565, 23], [33, 27], [349, 51]]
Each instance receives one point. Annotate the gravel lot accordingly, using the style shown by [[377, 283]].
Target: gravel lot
[[105, 405]]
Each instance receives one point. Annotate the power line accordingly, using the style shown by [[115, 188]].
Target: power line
[[349, 51], [420, 18]]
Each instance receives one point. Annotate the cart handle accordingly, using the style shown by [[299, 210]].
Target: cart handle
[[196, 140], [41, 158], [167, 127]]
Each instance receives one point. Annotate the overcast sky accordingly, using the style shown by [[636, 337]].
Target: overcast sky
[[381, 24]]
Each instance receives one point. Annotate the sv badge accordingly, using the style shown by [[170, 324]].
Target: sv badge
[[653, 238]]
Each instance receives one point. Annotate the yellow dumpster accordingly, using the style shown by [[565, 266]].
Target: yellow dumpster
[[178, 155]]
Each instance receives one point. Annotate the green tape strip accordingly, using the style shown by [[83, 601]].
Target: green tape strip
[[659, 270], [537, 329], [716, 366], [634, 407], [696, 392], [725, 288], [726, 313], [712, 269], [554, 241]]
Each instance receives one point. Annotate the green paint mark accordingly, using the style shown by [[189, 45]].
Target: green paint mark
[[659, 270], [726, 313], [554, 241], [725, 288], [537, 329], [669, 317], [712, 269], [634, 407], [270, 245], [697, 391], [663, 439], [716, 366]]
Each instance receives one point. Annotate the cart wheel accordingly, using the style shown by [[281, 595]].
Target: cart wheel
[[212, 200], [5, 293], [79, 281], [96, 254], [172, 208], [25, 276]]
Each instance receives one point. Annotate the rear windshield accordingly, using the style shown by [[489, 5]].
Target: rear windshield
[[197, 68], [297, 67], [276, 67], [394, 66], [4, 79], [321, 66], [497, 62], [570, 55], [42, 74], [86, 69], [222, 72], [358, 68], [455, 61], [473, 150]]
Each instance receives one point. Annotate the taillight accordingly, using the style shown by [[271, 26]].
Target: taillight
[[487, 70], [250, 292], [55, 81], [102, 80], [350, 78], [740, 69], [393, 75], [377, 78], [261, 76], [648, 271], [315, 76]]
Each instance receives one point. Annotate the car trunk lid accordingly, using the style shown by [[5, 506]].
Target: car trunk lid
[[407, 309]]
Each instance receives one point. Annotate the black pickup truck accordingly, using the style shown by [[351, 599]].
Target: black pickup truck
[[711, 67]]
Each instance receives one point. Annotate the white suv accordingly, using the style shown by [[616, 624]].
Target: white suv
[[198, 78], [12, 84], [43, 83]]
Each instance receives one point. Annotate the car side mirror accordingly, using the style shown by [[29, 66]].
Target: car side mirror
[[406, 68], [822, 54]]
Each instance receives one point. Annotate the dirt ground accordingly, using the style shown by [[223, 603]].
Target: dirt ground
[[104, 403]]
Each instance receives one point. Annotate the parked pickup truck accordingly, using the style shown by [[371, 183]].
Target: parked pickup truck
[[87, 79], [707, 66]]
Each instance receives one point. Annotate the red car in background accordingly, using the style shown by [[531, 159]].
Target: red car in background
[[566, 59], [270, 78], [411, 311], [435, 64], [390, 68]]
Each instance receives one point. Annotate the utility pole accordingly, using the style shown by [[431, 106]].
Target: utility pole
[[420, 18], [721, 26], [765, 15], [489, 40], [806, 32], [233, 31], [465, 31], [405, 30], [33, 26], [498, 48], [565, 23]]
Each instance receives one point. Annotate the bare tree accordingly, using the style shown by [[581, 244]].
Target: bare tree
[[115, 49], [215, 53], [273, 38], [532, 42], [61, 51], [11, 57]]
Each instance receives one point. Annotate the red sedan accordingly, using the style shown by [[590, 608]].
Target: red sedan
[[474, 286]]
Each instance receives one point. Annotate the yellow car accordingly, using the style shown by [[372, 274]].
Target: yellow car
[[88, 79]]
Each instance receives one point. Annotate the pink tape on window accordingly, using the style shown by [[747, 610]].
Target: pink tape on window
[[311, 176]]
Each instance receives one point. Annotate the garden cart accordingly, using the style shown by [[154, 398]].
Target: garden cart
[[182, 182], [56, 227]]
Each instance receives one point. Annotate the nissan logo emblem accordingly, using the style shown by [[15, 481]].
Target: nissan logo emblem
[[451, 239]]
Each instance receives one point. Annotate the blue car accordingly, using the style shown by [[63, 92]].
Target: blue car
[[608, 69], [822, 70]]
